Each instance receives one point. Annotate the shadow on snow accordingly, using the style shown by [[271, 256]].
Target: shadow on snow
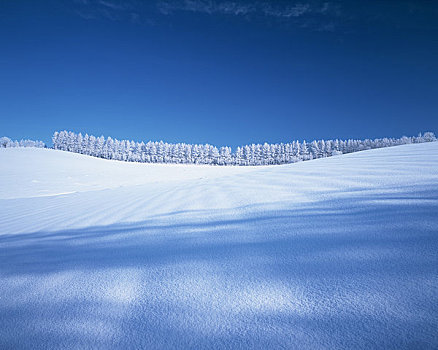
[[344, 273]]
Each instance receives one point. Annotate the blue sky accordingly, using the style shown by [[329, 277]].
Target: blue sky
[[219, 72]]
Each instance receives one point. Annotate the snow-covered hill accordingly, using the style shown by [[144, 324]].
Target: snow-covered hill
[[335, 253]]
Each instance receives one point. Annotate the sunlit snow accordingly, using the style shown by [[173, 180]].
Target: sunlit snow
[[334, 253]]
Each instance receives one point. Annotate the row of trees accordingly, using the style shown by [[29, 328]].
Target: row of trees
[[254, 154], [6, 142]]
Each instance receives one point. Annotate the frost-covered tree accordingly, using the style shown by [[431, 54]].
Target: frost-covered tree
[[254, 154], [6, 142]]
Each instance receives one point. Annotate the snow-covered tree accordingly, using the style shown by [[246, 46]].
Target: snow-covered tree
[[254, 154], [6, 142]]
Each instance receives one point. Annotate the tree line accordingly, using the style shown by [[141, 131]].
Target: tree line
[[6, 142], [254, 154]]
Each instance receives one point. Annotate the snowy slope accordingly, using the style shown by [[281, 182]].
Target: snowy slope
[[335, 253]]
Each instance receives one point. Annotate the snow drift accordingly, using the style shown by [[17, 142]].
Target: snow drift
[[334, 253]]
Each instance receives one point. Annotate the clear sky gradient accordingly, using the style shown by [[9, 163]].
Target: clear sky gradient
[[219, 72]]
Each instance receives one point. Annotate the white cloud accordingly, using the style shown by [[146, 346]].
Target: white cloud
[[312, 14], [289, 11], [111, 5], [234, 8]]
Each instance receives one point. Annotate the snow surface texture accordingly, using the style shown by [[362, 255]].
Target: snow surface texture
[[334, 253]]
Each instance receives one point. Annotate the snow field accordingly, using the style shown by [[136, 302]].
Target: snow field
[[334, 253]]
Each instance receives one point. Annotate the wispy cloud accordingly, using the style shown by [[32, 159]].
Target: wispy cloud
[[234, 8], [311, 14], [112, 5], [114, 10]]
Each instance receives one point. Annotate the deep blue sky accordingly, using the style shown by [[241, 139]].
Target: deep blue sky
[[222, 72]]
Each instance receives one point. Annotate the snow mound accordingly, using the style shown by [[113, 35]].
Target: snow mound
[[335, 253]]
